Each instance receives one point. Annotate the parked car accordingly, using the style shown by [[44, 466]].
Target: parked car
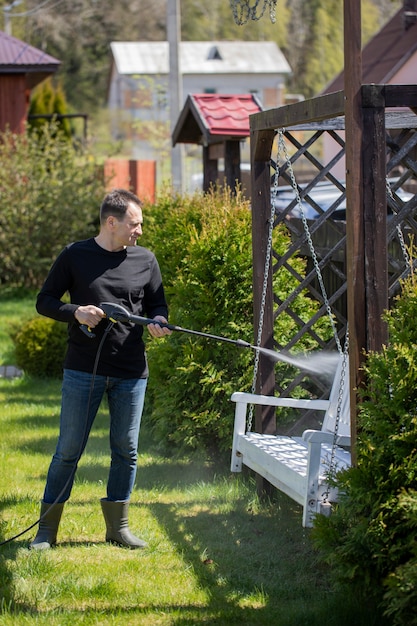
[[319, 199]]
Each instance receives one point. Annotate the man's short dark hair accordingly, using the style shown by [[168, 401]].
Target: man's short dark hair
[[116, 203]]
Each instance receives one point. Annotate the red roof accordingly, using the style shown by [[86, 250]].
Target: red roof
[[17, 56], [385, 53], [225, 115], [211, 118]]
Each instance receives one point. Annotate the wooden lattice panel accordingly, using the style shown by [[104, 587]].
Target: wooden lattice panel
[[328, 227]]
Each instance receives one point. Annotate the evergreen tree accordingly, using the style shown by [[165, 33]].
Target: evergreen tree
[[48, 100]]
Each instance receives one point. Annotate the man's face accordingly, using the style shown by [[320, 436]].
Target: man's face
[[127, 231]]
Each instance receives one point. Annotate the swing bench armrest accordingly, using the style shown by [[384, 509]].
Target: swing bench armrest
[[318, 436]]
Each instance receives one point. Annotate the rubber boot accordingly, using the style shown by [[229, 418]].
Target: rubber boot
[[117, 527], [48, 526]]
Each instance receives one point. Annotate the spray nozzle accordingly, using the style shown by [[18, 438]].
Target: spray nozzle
[[115, 312]]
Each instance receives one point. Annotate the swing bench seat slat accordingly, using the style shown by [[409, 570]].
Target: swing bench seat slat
[[298, 466]]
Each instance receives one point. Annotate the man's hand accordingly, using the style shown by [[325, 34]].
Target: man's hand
[[159, 331], [89, 315]]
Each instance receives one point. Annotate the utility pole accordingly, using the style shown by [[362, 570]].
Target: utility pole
[[6, 12], [7, 23], [175, 85]]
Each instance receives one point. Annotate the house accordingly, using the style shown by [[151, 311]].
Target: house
[[140, 77], [390, 57], [22, 67]]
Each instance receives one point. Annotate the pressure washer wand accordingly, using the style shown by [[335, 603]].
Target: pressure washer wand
[[322, 362], [117, 313]]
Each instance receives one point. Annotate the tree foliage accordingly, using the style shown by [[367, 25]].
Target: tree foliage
[[49, 195], [370, 539]]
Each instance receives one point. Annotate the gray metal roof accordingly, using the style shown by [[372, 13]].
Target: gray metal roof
[[200, 57], [17, 56]]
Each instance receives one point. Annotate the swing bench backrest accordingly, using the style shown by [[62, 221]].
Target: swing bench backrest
[[298, 466]]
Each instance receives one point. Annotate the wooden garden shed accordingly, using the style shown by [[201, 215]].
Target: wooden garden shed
[[22, 67]]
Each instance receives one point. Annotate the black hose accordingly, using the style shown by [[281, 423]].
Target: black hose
[[83, 443]]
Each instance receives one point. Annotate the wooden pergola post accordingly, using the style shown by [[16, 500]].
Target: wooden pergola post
[[354, 198], [367, 272], [261, 148]]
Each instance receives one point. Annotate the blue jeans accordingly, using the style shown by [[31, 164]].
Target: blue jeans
[[125, 398]]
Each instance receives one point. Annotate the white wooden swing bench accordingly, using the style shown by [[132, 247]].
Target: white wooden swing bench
[[301, 467], [298, 466]]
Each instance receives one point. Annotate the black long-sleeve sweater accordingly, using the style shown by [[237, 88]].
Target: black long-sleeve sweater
[[90, 274]]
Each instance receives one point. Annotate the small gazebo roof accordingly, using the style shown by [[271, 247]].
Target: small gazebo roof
[[18, 57], [214, 118]]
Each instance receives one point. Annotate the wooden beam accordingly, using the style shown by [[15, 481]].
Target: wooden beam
[[265, 421], [313, 114], [354, 201], [261, 144], [321, 108], [210, 170], [375, 219], [393, 95], [232, 171]]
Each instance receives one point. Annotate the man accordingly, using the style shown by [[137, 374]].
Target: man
[[107, 268]]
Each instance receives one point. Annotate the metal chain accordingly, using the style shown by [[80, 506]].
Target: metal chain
[[344, 351], [338, 413], [309, 239], [243, 11], [268, 255], [399, 231]]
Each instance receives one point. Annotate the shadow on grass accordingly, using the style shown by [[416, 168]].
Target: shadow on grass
[[245, 558], [254, 563], [261, 558], [255, 568]]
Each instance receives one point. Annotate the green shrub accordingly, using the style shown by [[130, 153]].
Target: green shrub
[[50, 195], [203, 244], [40, 346], [370, 539]]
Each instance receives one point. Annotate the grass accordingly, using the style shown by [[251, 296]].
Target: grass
[[216, 555]]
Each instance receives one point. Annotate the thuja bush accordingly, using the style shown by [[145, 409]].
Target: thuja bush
[[40, 347], [370, 539], [203, 244], [49, 195]]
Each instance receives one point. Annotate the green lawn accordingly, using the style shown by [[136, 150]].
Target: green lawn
[[216, 555]]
